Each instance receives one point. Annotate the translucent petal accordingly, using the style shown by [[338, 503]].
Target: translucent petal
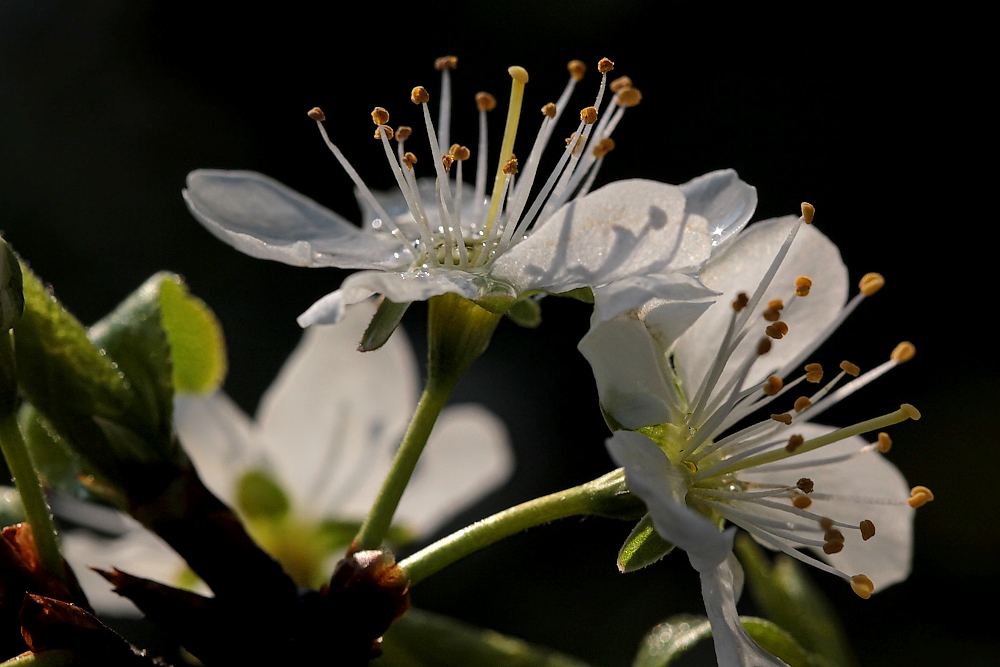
[[724, 200], [651, 476], [733, 646], [263, 218], [636, 291], [218, 437], [395, 205], [870, 487], [624, 229], [331, 408], [739, 268]]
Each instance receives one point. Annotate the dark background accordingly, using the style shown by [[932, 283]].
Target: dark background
[[105, 107]]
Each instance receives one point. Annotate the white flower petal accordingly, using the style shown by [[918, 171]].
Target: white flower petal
[[263, 218], [467, 456], [733, 646], [739, 268], [871, 488], [398, 287], [651, 476], [216, 434], [395, 205], [137, 552], [634, 292], [331, 407], [724, 200], [623, 229]]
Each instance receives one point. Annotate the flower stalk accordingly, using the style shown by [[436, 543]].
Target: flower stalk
[[604, 496], [458, 332]]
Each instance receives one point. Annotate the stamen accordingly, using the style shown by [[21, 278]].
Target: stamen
[[794, 442], [549, 110], [629, 98], [741, 301], [619, 83], [920, 496], [772, 314], [801, 403], [316, 114], [604, 146], [484, 102], [388, 132], [808, 211], [444, 65], [604, 66], [814, 373], [871, 283], [763, 346], [849, 368], [884, 442], [801, 502], [446, 161], [577, 68], [588, 115], [867, 530], [863, 586], [380, 116], [403, 133], [419, 95], [777, 330], [773, 385], [802, 285], [784, 418], [805, 485], [903, 352]]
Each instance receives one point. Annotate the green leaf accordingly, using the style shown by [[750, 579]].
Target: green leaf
[[197, 346], [786, 594], [259, 496], [643, 547], [526, 313], [670, 640], [385, 321], [423, 639]]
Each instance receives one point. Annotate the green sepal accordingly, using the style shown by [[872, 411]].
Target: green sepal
[[670, 640], [11, 510], [784, 591], [423, 639], [337, 535], [385, 321], [259, 496], [53, 658], [526, 313], [11, 288], [643, 547], [584, 294]]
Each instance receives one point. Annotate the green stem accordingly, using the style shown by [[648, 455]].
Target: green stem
[[36, 510], [377, 523], [604, 496]]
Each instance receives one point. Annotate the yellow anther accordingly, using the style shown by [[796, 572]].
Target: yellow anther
[[775, 304], [549, 110], [380, 116], [763, 346], [460, 153], [485, 102], [871, 283], [849, 368], [814, 373], [801, 403], [773, 385], [802, 285], [772, 315], [604, 66], [862, 585], [784, 418], [777, 331], [518, 73], [910, 411], [388, 132], [603, 147], [445, 62], [741, 301], [419, 95], [403, 132], [808, 211], [629, 97], [316, 114], [409, 159], [619, 83], [690, 466], [805, 485], [903, 352], [833, 547], [826, 523], [511, 166], [576, 141], [588, 115], [884, 442], [920, 496], [867, 530], [577, 68], [802, 502], [796, 440], [447, 161]]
